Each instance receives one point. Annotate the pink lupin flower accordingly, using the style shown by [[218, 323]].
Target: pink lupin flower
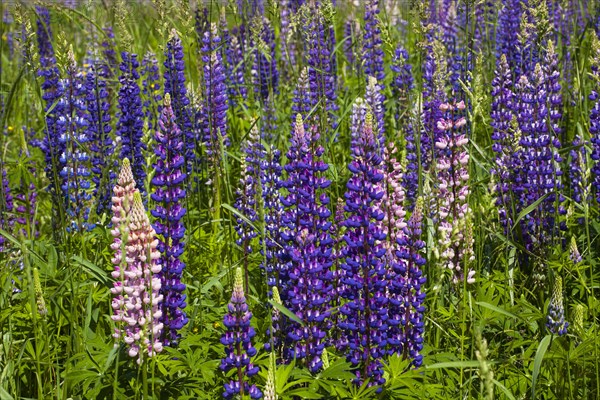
[[452, 189], [136, 289]]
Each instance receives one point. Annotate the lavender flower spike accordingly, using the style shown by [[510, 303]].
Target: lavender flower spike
[[238, 343], [168, 195]]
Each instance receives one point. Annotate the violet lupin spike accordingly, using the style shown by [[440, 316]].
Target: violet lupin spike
[[363, 316], [136, 297], [411, 262], [6, 206], [308, 246], [175, 86], [237, 340], [130, 130], [556, 323], [168, 195], [594, 117]]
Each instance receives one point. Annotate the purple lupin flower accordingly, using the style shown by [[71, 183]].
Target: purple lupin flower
[[237, 340], [556, 323], [539, 160], [101, 145], [453, 191], [265, 76], [308, 245], [131, 118], [509, 20], [215, 91], [595, 117], [52, 92], [246, 195], [74, 160], [577, 171], [236, 83], [409, 267], [372, 43], [136, 298], [6, 206], [363, 316], [169, 192], [402, 86], [270, 177], [175, 85], [433, 96], [302, 102], [503, 135], [108, 51], [319, 42]]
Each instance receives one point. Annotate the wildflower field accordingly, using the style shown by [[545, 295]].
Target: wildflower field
[[300, 199]]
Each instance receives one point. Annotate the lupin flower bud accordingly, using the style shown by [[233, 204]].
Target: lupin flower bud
[[136, 291], [374, 98], [270, 393], [578, 318], [556, 312], [237, 340], [39, 294], [574, 255]]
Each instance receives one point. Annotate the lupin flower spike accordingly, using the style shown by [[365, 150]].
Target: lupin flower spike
[[556, 312], [237, 340], [136, 298]]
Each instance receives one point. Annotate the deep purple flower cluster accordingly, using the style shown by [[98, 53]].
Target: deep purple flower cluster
[[108, 51], [594, 98], [75, 161], [169, 192], [372, 44], [577, 174], [265, 76], [175, 85], [99, 128], [319, 43], [503, 135], [301, 101], [305, 232], [364, 314], [402, 85], [509, 21], [234, 56], [215, 92], [52, 91], [130, 128], [6, 206], [270, 177], [539, 159], [238, 344]]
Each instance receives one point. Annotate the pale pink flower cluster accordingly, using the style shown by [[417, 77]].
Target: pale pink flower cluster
[[136, 297], [456, 250]]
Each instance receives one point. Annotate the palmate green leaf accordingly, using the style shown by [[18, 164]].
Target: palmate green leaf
[[304, 394], [537, 362], [340, 369]]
